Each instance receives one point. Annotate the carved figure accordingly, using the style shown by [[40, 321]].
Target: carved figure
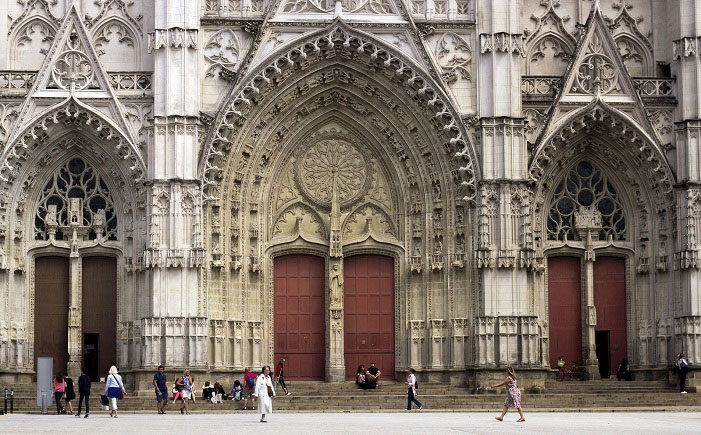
[[336, 285]]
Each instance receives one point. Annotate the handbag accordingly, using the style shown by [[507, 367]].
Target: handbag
[[121, 391], [270, 391]]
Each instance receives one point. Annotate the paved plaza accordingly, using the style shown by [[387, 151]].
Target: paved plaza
[[360, 423]]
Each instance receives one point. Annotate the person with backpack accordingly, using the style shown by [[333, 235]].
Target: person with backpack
[[412, 386], [249, 388], [682, 367], [84, 392]]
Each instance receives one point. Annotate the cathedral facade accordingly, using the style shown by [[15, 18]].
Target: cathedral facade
[[450, 185]]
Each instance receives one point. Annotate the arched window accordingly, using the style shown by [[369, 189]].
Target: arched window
[[584, 186], [76, 179]]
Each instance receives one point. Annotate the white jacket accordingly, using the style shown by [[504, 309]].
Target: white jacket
[[261, 383]]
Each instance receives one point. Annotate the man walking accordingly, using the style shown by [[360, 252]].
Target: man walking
[[249, 387], [84, 391], [159, 383]]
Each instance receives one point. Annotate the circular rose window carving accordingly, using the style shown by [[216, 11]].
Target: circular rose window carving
[[331, 158]]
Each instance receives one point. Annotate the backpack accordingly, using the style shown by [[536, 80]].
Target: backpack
[[250, 382]]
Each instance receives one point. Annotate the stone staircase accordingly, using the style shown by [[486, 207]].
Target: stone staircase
[[391, 396]]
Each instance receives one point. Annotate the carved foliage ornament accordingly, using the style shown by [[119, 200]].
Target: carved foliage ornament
[[454, 55], [222, 51], [585, 186]]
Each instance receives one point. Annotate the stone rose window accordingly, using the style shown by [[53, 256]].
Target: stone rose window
[[585, 186], [75, 179]]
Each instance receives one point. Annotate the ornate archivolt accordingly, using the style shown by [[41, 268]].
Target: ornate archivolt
[[67, 113], [339, 40], [643, 173]]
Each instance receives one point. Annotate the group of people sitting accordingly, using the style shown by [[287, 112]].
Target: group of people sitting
[[214, 393], [367, 378]]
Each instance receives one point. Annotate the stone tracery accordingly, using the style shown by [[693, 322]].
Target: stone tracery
[[585, 186], [76, 179]]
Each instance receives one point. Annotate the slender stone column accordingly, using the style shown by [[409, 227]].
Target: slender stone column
[[588, 222], [335, 361], [75, 318]]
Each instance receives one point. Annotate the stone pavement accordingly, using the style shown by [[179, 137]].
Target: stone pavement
[[359, 423]]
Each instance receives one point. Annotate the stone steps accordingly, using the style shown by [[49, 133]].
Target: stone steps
[[346, 397]]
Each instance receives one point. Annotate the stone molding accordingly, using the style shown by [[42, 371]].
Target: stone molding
[[502, 42], [173, 37]]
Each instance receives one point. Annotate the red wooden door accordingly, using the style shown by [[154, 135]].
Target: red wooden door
[[300, 321], [51, 310], [100, 311], [369, 313], [610, 303], [565, 309]]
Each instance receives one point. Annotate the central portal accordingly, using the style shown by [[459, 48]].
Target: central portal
[[369, 313], [300, 321]]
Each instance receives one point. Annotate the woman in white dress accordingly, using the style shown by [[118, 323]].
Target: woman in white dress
[[264, 392]]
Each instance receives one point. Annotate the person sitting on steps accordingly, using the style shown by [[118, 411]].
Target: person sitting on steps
[[623, 371], [372, 375], [360, 377]]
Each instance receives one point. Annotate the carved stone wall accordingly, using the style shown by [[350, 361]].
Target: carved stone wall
[[466, 148]]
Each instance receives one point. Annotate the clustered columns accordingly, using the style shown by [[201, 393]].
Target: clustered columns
[[505, 256], [686, 66], [175, 329]]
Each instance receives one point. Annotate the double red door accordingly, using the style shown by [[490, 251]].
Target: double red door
[[300, 319], [369, 313], [564, 309]]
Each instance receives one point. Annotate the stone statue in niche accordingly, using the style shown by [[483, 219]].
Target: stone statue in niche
[[51, 216], [438, 247], [336, 286], [437, 193]]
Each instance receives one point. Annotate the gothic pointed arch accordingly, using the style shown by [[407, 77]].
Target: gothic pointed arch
[[635, 48], [549, 46], [71, 112], [359, 47], [72, 71]]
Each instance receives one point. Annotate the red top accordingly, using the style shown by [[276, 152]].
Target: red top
[[278, 370], [245, 379], [59, 387]]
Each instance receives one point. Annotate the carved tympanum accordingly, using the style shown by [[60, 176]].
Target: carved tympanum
[[331, 158]]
